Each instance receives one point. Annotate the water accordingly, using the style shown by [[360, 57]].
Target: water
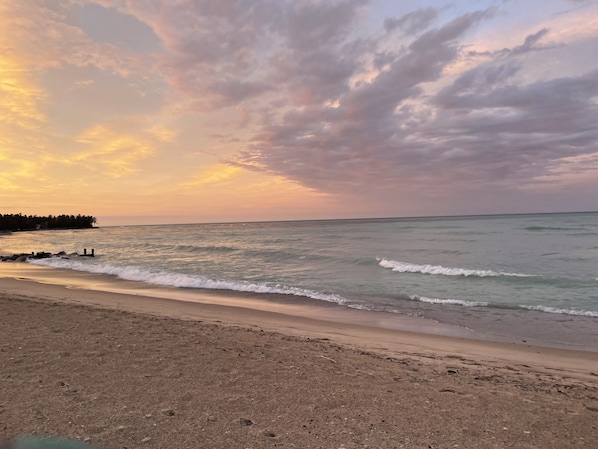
[[448, 269]]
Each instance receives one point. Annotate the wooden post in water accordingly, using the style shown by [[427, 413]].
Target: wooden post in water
[[92, 252], [85, 251]]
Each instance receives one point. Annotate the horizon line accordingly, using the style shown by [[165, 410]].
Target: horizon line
[[299, 220]]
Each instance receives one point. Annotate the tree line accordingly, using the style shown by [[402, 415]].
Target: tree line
[[20, 222]]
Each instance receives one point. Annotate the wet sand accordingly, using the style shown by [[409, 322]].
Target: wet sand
[[131, 370]]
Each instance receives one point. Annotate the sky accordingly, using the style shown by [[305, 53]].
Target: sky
[[149, 111]]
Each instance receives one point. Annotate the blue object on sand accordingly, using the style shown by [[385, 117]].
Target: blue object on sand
[[44, 443]]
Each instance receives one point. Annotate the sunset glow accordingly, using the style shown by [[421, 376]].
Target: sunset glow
[[203, 111]]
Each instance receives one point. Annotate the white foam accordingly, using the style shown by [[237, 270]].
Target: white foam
[[406, 267], [546, 309], [562, 311], [171, 279], [457, 302]]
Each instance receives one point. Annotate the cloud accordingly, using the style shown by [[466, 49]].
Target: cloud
[[412, 23], [531, 41], [22, 120], [221, 54], [44, 31], [365, 141], [513, 133], [491, 128], [568, 170], [332, 96], [20, 96], [109, 152], [213, 48], [216, 175], [318, 54], [162, 133], [14, 170], [530, 44]]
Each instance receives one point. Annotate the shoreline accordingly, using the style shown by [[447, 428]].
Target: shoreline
[[372, 331], [527, 327], [119, 370]]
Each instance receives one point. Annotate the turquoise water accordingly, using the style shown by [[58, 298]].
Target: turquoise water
[[545, 262]]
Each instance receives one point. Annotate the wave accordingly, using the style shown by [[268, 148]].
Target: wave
[[406, 267], [456, 302], [208, 248], [179, 280], [551, 228], [561, 311], [546, 309], [171, 279]]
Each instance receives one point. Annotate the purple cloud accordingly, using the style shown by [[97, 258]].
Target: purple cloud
[[412, 23], [363, 139], [403, 107]]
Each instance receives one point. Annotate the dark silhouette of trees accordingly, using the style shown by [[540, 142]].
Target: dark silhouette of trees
[[20, 222]]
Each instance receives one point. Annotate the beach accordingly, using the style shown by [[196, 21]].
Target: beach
[[120, 370]]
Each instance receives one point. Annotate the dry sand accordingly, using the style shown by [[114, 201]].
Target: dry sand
[[131, 371]]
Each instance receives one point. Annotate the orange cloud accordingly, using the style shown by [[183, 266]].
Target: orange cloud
[[20, 96], [20, 124], [215, 174], [43, 38], [111, 153], [162, 133]]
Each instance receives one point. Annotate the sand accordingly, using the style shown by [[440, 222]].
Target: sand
[[123, 370]]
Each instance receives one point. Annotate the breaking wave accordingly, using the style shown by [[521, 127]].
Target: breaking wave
[[546, 309], [562, 311], [406, 267], [456, 302], [171, 279], [180, 280]]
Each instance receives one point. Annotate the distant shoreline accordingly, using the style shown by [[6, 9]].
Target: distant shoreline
[[7, 231], [19, 222]]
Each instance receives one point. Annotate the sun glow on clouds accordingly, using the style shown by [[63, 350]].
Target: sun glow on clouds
[[20, 122], [568, 171], [113, 154], [20, 98], [224, 110], [217, 174], [244, 189]]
